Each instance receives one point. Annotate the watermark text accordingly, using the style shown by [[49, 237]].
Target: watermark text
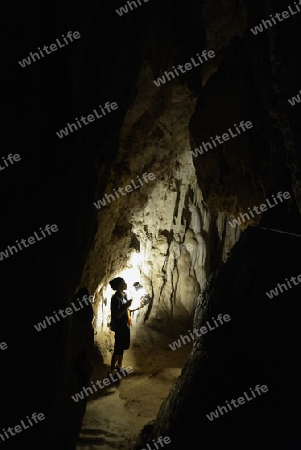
[[203, 330], [90, 118], [68, 311], [3, 345], [25, 424], [241, 401], [262, 208], [295, 100], [129, 188], [166, 440], [277, 18], [287, 285], [124, 9], [242, 127], [183, 68], [29, 241], [106, 382], [9, 160], [53, 48]]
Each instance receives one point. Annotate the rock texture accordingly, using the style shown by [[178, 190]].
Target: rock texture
[[144, 232], [257, 346]]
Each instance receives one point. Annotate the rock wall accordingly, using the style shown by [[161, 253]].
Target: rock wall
[[253, 82], [143, 233], [257, 346]]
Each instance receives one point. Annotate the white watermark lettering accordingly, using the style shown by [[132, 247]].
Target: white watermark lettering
[[203, 330], [53, 48], [68, 311], [183, 68], [124, 9], [280, 17], [262, 208], [3, 345], [90, 118], [29, 241], [25, 424], [241, 401], [9, 160], [129, 188], [242, 127], [106, 381], [287, 285], [295, 100], [161, 440]]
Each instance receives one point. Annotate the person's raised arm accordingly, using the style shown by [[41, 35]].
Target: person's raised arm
[[139, 307]]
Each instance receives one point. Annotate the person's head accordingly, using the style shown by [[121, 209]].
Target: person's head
[[118, 284]]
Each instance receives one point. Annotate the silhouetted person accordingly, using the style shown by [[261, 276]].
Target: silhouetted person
[[120, 321]]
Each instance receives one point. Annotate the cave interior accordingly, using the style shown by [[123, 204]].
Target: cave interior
[[127, 194]]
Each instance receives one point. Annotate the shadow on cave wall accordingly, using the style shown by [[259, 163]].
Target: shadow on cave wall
[[260, 345]]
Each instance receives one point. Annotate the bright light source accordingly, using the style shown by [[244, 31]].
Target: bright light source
[[131, 274], [137, 292]]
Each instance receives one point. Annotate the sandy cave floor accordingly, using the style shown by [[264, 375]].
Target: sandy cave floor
[[116, 414]]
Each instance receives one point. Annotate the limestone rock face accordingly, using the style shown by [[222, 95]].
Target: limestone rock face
[[163, 232]]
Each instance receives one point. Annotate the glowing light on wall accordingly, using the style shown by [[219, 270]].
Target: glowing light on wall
[[131, 274]]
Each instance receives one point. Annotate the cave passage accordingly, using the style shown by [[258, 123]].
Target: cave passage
[[161, 235], [153, 360]]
